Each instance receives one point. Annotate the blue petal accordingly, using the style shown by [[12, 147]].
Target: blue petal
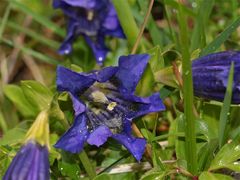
[[136, 146], [105, 74], [30, 163], [99, 136], [88, 4], [210, 75], [73, 140], [78, 106], [130, 71], [145, 105], [111, 25], [73, 82], [66, 47], [98, 47]]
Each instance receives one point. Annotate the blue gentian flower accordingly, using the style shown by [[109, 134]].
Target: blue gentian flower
[[210, 75], [93, 19], [105, 104], [30, 163]]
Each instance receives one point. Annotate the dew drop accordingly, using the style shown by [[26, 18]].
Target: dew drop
[[66, 51], [100, 59]]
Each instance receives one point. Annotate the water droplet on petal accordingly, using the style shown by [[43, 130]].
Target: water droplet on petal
[[100, 59]]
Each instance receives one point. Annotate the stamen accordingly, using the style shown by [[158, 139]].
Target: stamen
[[90, 15], [111, 106], [99, 97]]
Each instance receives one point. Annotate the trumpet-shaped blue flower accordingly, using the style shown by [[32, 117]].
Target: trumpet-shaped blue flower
[[210, 75], [93, 19], [30, 163], [105, 104]]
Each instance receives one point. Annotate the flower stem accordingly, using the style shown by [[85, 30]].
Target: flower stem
[[127, 21], [191, 146], [87, 164], [134, 49]]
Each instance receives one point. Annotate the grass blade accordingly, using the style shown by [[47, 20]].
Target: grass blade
[[40, 19], [42, 39], [198, 38], [4, 20], [225, 108], [217, 42], [33, 53]]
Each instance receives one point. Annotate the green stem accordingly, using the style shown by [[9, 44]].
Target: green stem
[[127, 21], [191, 147], [87, 164]]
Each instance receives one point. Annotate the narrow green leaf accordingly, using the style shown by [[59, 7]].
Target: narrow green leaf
[[5, 19], [213, 176], [3, 124], [87, 164], [16, 95], [128, 24], [40, 19], [225, 108], [13, 136], [221, 38], [191, 147], [33, 53], [37, 94], [38, 37], [227, 157], [198, 39]]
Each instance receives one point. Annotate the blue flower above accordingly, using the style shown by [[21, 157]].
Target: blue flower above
[[210, 75], [30, 163], [105, 104], [93, 19]]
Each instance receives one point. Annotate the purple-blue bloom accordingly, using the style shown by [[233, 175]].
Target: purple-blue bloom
[[93, 19], [105, 104], [30, 163], [210, 75]]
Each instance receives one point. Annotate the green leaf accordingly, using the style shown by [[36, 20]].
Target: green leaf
[[156, 62], [227, 157], [13, 136], [37, 94], [154, 174], [225, 108], [221, 38], [198, 39], [147, 78], [16, 95], [213, 176], [103, 177], [70, 170]]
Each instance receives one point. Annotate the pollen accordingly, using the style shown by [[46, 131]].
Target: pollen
[[111, 106]]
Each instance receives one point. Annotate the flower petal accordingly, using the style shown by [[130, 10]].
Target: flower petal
[[30, 163], [111, 25], [99, 136], [134, 145], [73, 140], [145, 105], [78, 106], [66, 46], [73, 82], [98, 47], [105, 74], [130, 71]]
